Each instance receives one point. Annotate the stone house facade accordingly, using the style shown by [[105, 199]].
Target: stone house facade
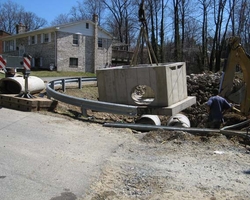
[[2, 34], [78, 46]]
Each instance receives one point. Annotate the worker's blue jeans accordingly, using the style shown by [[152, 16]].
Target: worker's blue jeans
[[216, 124]]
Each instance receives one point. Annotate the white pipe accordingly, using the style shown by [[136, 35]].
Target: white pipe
[[16, 85], [149, 119], [179, 120]]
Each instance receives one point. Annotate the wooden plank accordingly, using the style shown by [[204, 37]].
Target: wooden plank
[[25, 104]]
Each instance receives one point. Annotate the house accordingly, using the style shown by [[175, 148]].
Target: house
[[79, 46], [2, 34]]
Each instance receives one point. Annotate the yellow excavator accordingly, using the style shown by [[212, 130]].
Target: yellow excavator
[[237, 60]]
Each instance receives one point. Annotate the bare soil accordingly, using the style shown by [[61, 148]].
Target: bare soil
[[175, 165], [168, 164]]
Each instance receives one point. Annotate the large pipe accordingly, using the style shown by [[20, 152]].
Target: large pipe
[[236, 125], [146, 127], [179, 120], [195, 131], [16, 85], [149, 119]]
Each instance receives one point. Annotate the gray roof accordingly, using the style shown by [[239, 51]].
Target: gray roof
[[53, 28]]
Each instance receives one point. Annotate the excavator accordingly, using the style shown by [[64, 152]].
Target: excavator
[[237, 60]]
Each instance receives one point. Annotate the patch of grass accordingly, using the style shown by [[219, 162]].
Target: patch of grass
[[2, 75], [60, 74], [46, 73]]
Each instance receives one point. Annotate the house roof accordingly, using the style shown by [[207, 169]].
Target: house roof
[[52, 29], [2, 32]]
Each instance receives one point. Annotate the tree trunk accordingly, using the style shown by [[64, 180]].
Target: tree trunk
[[176, 31]]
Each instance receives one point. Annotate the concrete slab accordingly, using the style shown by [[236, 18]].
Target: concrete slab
[[171, 110]]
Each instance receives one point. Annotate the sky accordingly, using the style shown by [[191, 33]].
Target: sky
[[47, 9]]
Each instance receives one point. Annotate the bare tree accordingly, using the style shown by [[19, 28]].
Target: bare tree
[[204, 33], [242, 15], [79, 12], [10, 16], [83, 10], [32, 21], [61, 19], [242, 22], [162, 35], [119, 19], [182, 18], [154, 9], [13, 14], [95, 7], [232, 4], [177, 47], [219, 8]]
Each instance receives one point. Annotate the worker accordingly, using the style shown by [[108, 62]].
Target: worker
[[216, 107]]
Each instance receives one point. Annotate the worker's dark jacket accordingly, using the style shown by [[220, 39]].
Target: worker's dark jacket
[[217, 105]]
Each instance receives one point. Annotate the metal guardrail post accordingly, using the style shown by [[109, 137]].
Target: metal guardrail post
[[63, 85], [52, 85], [84, 112], [80, 83]]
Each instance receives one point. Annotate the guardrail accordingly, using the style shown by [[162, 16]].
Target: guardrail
[[85, 104]]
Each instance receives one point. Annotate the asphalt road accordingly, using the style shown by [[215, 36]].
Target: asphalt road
[[49, 158]]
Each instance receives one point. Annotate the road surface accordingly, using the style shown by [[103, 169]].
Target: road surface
[[48, 158]]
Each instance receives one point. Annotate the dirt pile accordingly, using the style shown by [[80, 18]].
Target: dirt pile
[[203, 86]]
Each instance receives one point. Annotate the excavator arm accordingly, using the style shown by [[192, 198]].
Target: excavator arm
[[236, 57]]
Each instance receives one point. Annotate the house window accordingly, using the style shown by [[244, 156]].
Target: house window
[[46, 37], [99, 42], [73, 62], [75, 39], [87, 25], [33, 39], [9, 45]]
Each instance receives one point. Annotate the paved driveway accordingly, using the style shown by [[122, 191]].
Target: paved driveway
[[49, 158]]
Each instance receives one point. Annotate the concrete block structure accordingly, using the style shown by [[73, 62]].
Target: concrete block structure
[[153, 85]]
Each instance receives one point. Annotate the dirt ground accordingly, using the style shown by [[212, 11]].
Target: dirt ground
[[175, 165], [168, 164]]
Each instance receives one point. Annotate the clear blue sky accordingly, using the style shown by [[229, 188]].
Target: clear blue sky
[[47, 9]]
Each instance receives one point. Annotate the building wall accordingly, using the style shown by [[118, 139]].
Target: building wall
[[2, 34], [104, 54], [89, 54], [43, 54], [66, 50], [84, 51], [60, 50]]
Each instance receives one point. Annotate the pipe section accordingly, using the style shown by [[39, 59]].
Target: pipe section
[[145, 127], [195, 131], [149, 119], [236, 125], [179, 120], [16, 85]]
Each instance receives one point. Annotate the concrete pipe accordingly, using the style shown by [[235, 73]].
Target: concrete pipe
[[179, 120], [16, 85], [149, 119]]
